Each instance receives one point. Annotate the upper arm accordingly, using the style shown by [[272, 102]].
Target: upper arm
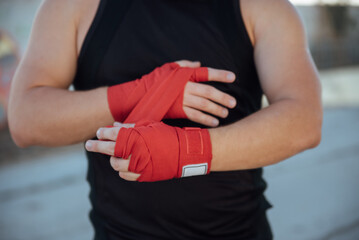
[[50, 59], [283, 61]]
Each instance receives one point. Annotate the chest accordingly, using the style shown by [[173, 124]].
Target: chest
[[125, 43], [154, 32]]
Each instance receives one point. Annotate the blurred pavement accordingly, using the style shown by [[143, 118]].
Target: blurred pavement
[[45, 198]]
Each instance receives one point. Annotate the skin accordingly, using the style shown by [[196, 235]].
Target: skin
[[41, 83], [289, 125]]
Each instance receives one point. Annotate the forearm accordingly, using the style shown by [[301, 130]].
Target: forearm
[[266, 137], [52, 116], [43, 112]]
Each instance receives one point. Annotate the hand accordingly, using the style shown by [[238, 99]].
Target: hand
[[108, 147], [158, 151], [199, 99]]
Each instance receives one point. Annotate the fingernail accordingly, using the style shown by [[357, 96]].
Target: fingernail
[[215, 122], [231, 76], [224, 112], [98, 132], [232, 103], [88, 145]]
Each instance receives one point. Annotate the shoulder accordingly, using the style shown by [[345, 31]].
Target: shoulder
[[55, 13], [68, 17], [263, 17], [61, 7], [263, 9], [70, 10]]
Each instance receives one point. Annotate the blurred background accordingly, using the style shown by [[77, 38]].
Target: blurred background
[[44, 194]]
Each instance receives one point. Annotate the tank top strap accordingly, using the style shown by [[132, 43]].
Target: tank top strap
[[108, 18]]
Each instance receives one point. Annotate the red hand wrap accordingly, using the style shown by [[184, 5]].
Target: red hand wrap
[[176, 109], [156, 95], [161, 152], [158, 151]]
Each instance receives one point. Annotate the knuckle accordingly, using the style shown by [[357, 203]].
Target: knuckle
[[194, 87], [196, 115], [111, 148], [217, 110], [217, 74], [189, 88], [188, 113], [223, 74], [208, 90], [213, 108], [95, 145], [202, 103], [224, 99], [221, 98], [203, 118], [113, 133], [208, 122]]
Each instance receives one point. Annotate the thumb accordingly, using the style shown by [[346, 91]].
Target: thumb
[[125, 125]]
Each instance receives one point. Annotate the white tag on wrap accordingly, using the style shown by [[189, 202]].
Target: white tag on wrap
[[194, 170]]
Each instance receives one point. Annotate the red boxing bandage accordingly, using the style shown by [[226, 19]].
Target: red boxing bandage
[[158, 151], [161, 152], [155, 96]]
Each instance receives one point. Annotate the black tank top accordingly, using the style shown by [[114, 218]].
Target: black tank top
[[128, 39]]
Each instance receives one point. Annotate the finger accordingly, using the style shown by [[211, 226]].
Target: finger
[[205, 105], [108, 133], [119, 164], [221, 75], [125, 125], [199, 117], [211, 93], [129, 176], [186, 63], [200, 74], [104, 147]]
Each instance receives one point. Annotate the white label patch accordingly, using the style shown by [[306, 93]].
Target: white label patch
[[194, 170]]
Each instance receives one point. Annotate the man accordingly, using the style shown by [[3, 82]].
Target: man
[[97, 43]]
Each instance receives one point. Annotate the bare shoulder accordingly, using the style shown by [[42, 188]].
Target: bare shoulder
[[85, 9], [72, 10], [281, 50], [276, 16], [62, 8], [50, 58]]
